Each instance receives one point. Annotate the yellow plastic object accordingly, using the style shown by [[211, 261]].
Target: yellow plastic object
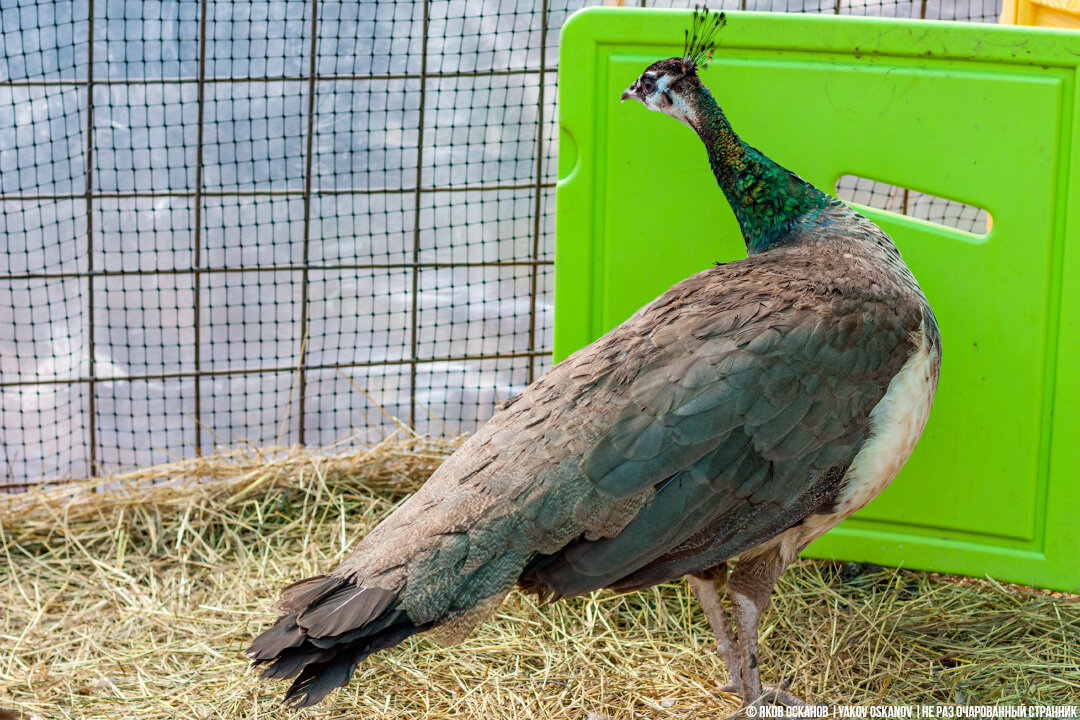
[[1043, 13]]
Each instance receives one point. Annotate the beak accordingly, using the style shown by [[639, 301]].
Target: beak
[[630, 92]]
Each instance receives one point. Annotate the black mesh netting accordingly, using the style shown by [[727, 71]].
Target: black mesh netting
[[283, 221]]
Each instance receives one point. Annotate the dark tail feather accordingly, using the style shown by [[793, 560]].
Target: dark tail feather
[[318, 679], [286, 633], [329, 625], [301, 594], [291, 661]]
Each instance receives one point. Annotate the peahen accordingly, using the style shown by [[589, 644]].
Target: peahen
[[737, 417]]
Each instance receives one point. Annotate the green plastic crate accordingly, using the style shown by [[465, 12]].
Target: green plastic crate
[[980, 114]]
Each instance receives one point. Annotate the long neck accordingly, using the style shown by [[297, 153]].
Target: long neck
[[767, 198]]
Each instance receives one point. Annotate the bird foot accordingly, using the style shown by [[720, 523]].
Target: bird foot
[[777, 695], [771, 695]]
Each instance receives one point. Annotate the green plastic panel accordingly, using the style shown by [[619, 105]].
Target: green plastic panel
[[984, 115]]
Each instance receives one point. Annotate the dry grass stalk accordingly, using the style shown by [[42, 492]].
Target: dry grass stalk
[[137, 601]]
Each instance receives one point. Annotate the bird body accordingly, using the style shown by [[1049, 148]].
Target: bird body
[[738, 416]]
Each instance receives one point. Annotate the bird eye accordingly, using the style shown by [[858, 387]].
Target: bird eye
[[648, 85]]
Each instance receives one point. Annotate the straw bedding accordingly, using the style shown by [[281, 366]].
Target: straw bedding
[[135, 597]]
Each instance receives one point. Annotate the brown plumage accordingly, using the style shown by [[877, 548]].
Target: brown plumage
[[738, 416]]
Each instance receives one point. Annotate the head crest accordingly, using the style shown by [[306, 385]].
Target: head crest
[[700, 40]]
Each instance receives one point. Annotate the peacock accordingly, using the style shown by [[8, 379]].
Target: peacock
[[729, 422]]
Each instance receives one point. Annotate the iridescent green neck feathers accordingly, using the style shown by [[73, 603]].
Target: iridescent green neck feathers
[[768, 199]]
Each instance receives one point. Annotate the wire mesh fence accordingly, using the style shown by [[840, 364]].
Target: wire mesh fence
[[279, 221]]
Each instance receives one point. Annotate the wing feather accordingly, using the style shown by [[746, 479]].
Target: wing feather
[[742, 429]]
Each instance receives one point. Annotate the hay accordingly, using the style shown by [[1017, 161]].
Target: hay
[[137, 600]]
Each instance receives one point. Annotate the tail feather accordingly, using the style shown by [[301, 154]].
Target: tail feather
[[284, 634], [318, 680], [347, 608], [392, 617], [329, 626], [291, 661], [303, 593]]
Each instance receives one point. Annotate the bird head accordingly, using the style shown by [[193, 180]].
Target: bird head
[[669, 86]]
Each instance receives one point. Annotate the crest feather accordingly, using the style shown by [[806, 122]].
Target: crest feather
[[699, 41]]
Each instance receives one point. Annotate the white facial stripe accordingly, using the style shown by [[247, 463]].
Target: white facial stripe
[[669, 103], [678, 108], [681, 111]]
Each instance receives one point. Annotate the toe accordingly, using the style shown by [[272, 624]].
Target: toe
[[780, 696]]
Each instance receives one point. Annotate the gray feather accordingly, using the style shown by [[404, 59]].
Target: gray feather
[[345, 609]]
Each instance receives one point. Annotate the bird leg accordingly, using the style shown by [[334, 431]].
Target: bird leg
[[750, 585], [706, 587]]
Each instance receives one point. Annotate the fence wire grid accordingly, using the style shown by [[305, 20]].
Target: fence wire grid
[[280, 221]]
